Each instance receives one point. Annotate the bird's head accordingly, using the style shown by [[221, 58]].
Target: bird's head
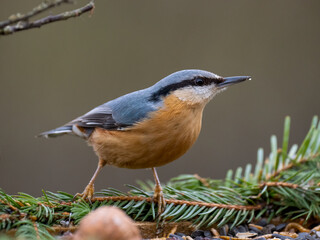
[[193, 86]]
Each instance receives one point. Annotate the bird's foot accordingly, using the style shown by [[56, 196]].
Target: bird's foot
[[159, 198], [87, 194]]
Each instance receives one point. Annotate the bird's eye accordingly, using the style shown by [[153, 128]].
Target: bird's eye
[[199, 81]]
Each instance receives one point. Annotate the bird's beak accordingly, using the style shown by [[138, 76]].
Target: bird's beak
[[232, 80]]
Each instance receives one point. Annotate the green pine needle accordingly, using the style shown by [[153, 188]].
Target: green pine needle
[[287, 184]]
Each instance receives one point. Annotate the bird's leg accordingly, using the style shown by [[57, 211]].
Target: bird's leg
[[89, 190], [158, 194]]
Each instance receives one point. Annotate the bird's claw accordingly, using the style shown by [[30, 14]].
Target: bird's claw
[[159, 198], [87, 194]]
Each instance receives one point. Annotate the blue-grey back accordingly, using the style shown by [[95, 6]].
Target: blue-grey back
[[132, 107], [136, 106]]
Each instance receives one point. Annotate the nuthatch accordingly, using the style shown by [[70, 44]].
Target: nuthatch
[[150, 127]]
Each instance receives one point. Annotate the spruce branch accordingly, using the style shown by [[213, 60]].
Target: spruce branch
[[19, 22], [286, 184]]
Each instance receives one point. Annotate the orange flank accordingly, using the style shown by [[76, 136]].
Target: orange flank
[[162, 138]]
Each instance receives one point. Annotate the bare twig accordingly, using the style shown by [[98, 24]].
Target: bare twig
[[35, 11], [22, 21]]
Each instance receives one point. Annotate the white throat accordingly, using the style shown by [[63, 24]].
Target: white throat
[[197, 95]]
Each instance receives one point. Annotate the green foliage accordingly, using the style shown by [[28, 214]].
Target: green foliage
[[286, 184]]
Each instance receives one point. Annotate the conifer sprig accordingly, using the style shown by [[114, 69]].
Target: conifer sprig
[[286, 184]]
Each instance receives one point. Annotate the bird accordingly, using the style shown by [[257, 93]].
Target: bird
[[148, 128]]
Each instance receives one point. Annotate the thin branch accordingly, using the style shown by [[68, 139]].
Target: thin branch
[[202, 180], [177, 202], [35, 11], [35, 225], [24, 25], [10, 206], [279, 184], [5, 216], [291, 165], [59, 229]]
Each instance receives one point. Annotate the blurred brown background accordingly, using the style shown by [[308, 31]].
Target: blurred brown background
[[60, 71]]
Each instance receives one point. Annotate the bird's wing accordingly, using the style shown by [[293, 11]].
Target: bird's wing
[[99, 117], [84, 125], [117, 114]]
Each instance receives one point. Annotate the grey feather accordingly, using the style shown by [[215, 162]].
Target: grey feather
[[56, 132]]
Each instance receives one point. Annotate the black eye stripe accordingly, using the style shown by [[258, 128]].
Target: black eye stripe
[[218, 80], [164, 91], [207, 81]]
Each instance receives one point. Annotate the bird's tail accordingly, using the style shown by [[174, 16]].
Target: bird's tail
[[57, 132]]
